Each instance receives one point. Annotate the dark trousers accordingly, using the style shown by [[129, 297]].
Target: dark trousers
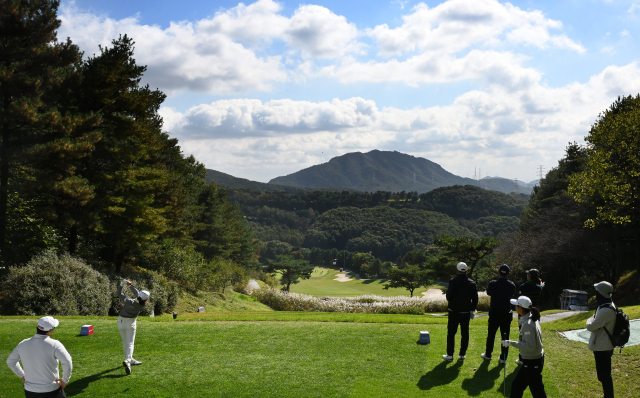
[[603, 369], [59, 393], [529, 375], [502, 322], [455, 319]]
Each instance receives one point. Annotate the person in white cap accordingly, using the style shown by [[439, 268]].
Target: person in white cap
[[531, 351], [462, 297], [40, 355], [127, 321], [599, 342]]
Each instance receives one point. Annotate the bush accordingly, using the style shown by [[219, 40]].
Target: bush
[[182, 264], [164, 293], [55, 285]]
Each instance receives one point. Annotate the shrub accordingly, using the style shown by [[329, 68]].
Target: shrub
[[182, 264], [55, 285]]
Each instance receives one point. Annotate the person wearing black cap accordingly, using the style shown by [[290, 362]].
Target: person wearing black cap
[[501, 291], [462, 297], [599, 324], [532, 287]]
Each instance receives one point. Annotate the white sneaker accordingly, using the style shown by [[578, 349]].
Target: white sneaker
[[127, 367], [133, 362], [501, 361], [461, 357], [518, 362], [447, 358], [485, 357]]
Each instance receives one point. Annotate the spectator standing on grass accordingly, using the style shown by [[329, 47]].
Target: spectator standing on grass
[[40, 355], [599, 342], [532, 287], [530, 345], [501, 292], [127, 321], [462, 297]]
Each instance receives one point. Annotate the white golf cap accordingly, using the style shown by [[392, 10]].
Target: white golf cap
[[47, 323], [604, 288], [144, 295], [462, 267], [522, 301]]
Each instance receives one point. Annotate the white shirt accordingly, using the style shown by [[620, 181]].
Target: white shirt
[[40, 355]]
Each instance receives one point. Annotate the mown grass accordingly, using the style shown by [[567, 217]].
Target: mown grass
[[322, 284], [274, 354]]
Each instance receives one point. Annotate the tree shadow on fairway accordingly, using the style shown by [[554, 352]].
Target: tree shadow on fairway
[[482, 380], [440, 375], [78, 386]]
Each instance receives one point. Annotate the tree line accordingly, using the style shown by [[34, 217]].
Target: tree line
[[86, 168]]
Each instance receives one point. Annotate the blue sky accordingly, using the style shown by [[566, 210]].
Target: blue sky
[[265, 88]]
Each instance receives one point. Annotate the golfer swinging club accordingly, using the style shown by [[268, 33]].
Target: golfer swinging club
[[127, 321]]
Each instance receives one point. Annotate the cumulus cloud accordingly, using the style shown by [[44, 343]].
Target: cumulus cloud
[[458, 24], [498, 128]]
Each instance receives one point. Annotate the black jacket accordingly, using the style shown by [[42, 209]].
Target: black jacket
[[462, 294], [531, 290], [501, 291]]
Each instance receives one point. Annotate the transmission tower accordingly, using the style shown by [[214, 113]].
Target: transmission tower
[[475, 174], [540, 172], [515, 183]]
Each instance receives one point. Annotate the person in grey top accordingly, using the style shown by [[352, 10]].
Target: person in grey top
[[127, 321], [599, 342], [531, 351], [40, 355]]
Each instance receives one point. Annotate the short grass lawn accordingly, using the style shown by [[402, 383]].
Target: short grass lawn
[[322, 284], [279, 354]]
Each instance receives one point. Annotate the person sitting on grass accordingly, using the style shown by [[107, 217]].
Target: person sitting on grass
[[462, 297], [531, 351]]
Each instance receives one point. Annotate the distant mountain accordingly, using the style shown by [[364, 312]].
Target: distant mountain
[[230, 181], [387, 171]]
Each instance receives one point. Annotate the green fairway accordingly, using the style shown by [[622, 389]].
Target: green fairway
[[322, 284], [276, 354]]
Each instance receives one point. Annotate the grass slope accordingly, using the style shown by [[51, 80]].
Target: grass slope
[[342, 356], [321, 284]]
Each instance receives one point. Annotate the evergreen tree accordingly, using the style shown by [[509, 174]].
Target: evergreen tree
[[291, 269], [32, 64]]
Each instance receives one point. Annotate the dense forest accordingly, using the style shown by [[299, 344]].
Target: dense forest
[[88, 178]]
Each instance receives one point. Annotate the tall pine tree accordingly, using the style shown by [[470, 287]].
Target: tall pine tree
[[32, 63]]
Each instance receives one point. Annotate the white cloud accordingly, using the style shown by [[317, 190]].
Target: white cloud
[[500, 129], [624, 33], [184, 56], [456, 25]]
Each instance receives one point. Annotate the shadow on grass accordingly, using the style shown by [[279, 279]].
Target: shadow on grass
[[440, 375], [482, 380], [509, 381], [78, 386]]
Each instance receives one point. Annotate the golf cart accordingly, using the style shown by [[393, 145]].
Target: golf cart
[[574, 300]]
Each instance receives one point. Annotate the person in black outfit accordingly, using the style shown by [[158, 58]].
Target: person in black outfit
[[500, 314], [532, 287], [462, 296]]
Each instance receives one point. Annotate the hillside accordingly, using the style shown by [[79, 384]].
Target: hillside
[[385, 232], [226, 180], [387, 171]]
